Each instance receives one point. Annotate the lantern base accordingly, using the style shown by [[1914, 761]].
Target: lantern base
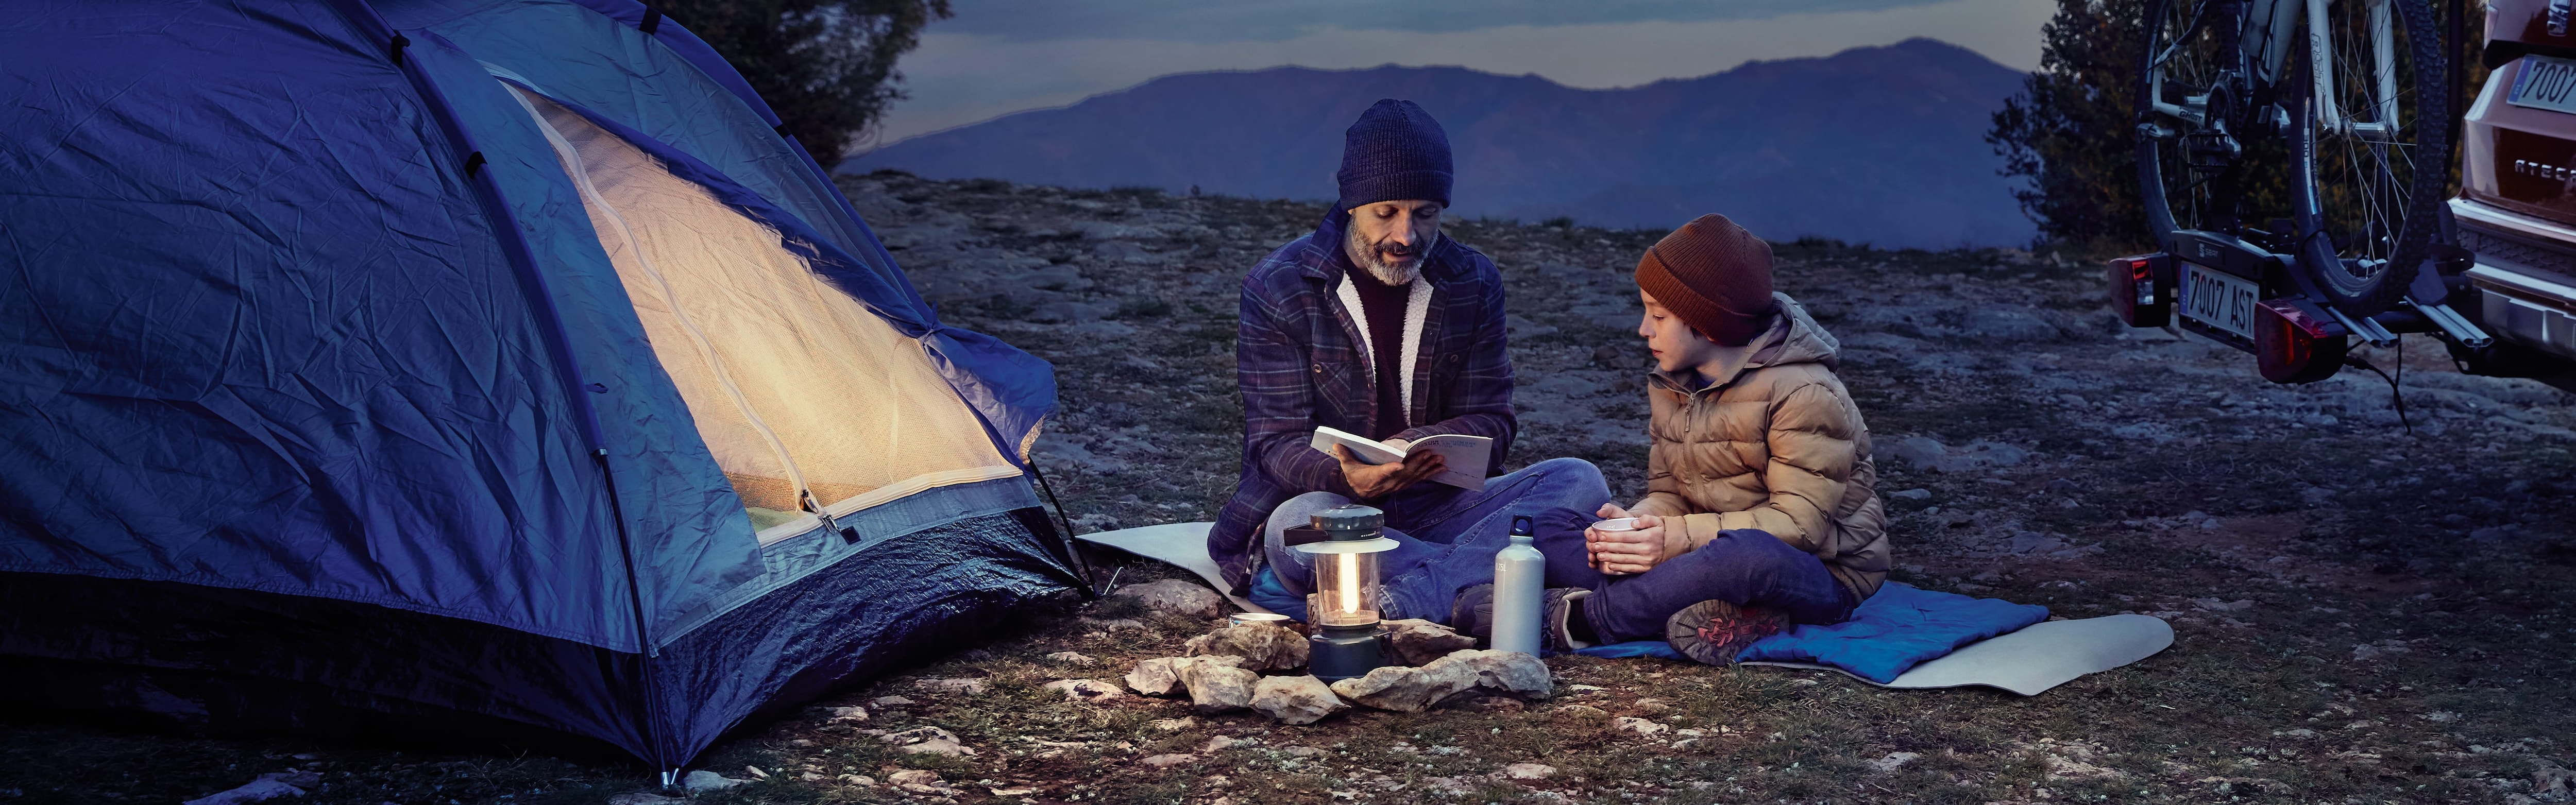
[[1344, 652]]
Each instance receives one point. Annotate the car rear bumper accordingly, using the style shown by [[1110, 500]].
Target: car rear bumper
[[2525, 276]]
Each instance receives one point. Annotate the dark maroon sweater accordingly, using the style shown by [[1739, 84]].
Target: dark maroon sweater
[[1383, 306]]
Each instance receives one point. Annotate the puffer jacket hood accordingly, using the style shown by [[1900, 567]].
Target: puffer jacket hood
[[1779, 447]]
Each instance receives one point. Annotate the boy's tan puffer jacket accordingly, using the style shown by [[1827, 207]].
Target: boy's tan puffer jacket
[[1778, 447]]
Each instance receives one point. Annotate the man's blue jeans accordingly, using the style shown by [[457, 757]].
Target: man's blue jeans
[[1446, 537]]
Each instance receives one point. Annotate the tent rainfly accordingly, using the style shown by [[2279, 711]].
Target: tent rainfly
[[484, 364]]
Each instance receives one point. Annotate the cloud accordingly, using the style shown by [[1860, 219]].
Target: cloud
[[957, 78], [1278, 20]]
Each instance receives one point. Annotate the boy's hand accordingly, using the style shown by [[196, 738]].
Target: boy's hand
[[1622, 552], [1379, 480]]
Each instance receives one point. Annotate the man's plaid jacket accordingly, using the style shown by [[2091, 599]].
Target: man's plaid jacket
[[1300, 362]]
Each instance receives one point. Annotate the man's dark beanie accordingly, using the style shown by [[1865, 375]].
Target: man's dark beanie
[[1714, 275], [1395, 152]]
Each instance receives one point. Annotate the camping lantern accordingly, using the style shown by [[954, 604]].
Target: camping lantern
[[1344, 607]]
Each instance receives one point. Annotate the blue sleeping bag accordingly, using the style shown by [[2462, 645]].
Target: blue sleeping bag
[[1900, 627]]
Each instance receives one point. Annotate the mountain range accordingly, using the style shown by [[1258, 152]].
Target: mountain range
[[1879, 145]]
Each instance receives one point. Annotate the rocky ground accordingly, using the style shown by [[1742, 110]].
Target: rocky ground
[[2363, 613]]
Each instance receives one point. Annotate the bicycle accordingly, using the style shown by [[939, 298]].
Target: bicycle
[[2295, 156]]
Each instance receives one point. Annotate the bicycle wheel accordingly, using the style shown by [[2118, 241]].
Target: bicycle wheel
[[2180, 104], [2372, 150]]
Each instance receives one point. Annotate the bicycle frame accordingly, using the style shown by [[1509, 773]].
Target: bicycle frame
[[2269, 30]]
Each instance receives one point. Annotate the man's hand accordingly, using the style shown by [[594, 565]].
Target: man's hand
[[1622, 552], [1378, 480]]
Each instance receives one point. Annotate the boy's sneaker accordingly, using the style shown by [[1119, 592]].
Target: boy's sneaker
[[1713, 632], [1473, 615]]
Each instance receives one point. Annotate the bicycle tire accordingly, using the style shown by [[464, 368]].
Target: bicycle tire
[[2317, 257], [2152, 195]]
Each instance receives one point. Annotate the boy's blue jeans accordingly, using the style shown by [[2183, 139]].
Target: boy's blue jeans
[[1745, 567], [1446, 536]]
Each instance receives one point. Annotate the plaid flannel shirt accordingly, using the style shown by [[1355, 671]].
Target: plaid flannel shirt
[[1300, 362]]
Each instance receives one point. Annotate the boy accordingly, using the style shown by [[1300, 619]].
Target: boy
[[1759, 511]]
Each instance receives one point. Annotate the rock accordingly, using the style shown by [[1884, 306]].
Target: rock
[[262, 788], [1175, 597], [2004, 325], [1070, 312], [1162, 675], [642, 798], [927, 740], [1920, 452], [1580, 711], [1304, 751], [1115, 624], [970, 687], [2035, 542], [1012, 792], [856, 779], [1216, 688], [2550, 779], [1086, 690], [1219, 743], [1653, 707], [1529, 771], [1263, 646], [891, 701], [1893, 760], [1173, 724], [2215, 605], [756, 773], [703, 781], [1409, 690], [1637, 725], [919, 781], [1912, 494], [850, 714], [1418, 642], [1168, 760], [1980, 455], [1510, 673], [1296, 699], [1070, 658]]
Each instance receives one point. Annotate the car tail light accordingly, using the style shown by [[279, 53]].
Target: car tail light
[[2296, 344], [2142, 289]]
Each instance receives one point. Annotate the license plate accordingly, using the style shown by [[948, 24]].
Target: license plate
[[2219, 300], [2545, 83]]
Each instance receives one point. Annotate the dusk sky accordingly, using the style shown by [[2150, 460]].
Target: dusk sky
[[1000, 56]]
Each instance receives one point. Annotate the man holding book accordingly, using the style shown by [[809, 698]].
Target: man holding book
[[1378, 328]]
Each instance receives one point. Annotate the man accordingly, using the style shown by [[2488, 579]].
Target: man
[[1378, 325]]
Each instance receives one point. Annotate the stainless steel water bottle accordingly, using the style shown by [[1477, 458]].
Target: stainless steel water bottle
[[1520, 576]]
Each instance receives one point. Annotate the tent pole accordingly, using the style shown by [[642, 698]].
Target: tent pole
[[1072, 549]]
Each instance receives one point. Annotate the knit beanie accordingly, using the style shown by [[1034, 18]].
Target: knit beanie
[[1395, 152], [1714, 275]]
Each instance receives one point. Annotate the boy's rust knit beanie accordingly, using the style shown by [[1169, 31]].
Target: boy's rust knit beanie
[[1714, 275]]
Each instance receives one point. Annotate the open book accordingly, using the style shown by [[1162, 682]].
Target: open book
[[1465, 457]]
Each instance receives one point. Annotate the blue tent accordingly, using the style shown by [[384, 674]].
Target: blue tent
[[483, 363]]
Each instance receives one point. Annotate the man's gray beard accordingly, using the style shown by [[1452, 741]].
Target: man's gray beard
[[1364, 254]]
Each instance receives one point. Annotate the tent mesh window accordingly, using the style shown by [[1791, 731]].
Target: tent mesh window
[[794, 385]]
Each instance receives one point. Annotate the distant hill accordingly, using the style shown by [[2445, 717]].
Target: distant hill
[[1882, 145]]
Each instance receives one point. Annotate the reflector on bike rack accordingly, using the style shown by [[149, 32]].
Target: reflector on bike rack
[[2294, 342], [2142, 289]]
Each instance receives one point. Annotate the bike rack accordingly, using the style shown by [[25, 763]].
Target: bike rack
[[2272, 272]]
